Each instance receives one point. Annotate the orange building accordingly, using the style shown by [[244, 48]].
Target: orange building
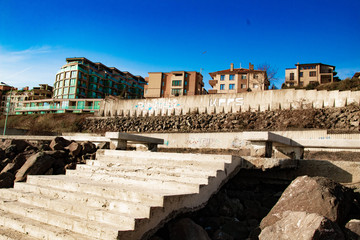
[[175, 83]]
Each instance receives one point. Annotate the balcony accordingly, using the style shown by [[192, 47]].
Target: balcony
[[213, 82], [212, 91]]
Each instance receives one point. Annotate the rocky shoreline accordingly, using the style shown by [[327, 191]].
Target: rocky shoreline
[[344, 119]]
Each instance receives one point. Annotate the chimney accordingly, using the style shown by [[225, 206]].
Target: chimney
[[251, 66], [231, 67]]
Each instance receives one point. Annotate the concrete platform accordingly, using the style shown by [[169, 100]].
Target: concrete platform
[[120, 195]]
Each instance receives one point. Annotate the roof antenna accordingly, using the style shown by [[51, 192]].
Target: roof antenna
[[240, 66]]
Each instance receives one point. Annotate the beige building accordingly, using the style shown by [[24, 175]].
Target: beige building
[[236, 80], [175, 83], [307, 73]]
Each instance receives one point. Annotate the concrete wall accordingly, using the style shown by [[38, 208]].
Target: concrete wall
[[215, 103], [235, 140]]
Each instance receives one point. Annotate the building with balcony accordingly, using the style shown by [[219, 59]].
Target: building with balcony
[[307, 73], [236, 80], [171, 84], [57, 106], [82, 78], [11, 99]]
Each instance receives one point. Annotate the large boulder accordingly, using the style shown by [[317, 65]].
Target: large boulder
[[352, 229], [87, 147], [6, 180], [74, 149], [37, 164], [59, 143], [15, 164], [302, 225], [19, 145], [313, 195], [186, 229]]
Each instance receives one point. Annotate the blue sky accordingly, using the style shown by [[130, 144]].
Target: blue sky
[[144, 36]]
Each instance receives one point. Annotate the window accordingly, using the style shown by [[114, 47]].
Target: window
[[243, 85], [178, 74], [231, 86], [61, 75], [292, 76], [231, 77], [72, 90], [67, 75], [186, 75], [255, 76], [222, 77], [185, 83], [162, 92], [66, 90], [312, 73], [66, 83], [175, 91], [222, 86], [73, 74], [163, 83], [243, 76], [177, 83], [61, 84], [255, 86], [301, 74], [185, 91]]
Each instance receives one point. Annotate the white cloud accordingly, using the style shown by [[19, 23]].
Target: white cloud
[[28, 67]]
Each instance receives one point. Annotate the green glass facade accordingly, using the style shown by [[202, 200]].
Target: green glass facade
[[81, 78]]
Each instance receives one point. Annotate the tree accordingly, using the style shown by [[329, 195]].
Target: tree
[[270, 72]]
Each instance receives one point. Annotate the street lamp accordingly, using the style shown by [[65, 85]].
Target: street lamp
[[7, 112]]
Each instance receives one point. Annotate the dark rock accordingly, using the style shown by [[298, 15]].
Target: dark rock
[[38, 163], [313, 195], [4, 162], [6, 180], [220, 235], [236, 229], [20, 145], [353, 229], [104, 145], [15, 164], [186, 229], [59, 143], [74, 149], [302, 225], [88, 147]]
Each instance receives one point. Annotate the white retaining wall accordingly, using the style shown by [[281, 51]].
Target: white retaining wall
[[215, 103]]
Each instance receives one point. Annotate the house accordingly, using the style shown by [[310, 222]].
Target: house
[[236, 80], [307, 73], [172, 84]]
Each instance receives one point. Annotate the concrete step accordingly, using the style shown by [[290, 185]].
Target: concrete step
[[137, 209], [164, 180], [165, 156], [10, 234], [65, 221], [36, 229], [151, 195], [67, 207], [184, 171], [120, 160]]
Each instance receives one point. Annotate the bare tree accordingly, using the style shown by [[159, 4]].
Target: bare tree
[[270, 72]]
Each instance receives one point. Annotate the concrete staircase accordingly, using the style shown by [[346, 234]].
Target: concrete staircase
[[120, 195]]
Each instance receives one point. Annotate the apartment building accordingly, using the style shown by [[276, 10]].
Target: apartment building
[[307, 73], [236, 80], [15, 98], [175, 83], [82, 78]]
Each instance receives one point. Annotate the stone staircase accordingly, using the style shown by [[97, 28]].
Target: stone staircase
[[120, 195]]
